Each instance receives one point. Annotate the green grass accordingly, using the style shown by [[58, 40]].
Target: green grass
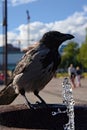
[[61, 75], [84, 75], [58, 75]]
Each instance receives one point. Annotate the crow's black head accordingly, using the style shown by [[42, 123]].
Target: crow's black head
[[54, 39]]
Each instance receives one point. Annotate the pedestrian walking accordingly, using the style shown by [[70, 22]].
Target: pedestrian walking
[[78, 76], [72, 75]]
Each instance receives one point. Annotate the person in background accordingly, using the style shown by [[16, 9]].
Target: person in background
[[78, 76], [72, 75], [1, 78]]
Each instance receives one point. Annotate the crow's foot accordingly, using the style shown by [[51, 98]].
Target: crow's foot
[[30, 106], [41, 104]]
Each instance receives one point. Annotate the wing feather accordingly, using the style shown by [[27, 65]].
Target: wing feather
[[31, 60]]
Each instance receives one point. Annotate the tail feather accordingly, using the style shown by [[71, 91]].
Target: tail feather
[[7, 95]]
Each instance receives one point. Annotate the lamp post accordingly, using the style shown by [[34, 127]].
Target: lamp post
[[28, 29], [5, 39]]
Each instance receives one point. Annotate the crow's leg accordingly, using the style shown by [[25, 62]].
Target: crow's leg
[[40, 98], [29, 105]]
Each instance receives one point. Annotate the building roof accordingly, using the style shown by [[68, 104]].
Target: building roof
[[10, 49]]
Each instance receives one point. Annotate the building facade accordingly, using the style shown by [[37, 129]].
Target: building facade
[[13, 57]]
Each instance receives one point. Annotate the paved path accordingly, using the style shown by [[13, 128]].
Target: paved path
[[52, 93]]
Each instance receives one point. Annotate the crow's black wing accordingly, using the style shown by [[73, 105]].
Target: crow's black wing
[[30, 59], [22, 64]]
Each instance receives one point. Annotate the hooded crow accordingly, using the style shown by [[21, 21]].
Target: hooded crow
[[36, 68]]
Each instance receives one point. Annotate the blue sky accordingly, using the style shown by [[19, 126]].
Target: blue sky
[[68, 16]]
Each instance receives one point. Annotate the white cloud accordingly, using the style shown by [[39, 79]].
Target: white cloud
[[85, 8], [11, 37], [18, 2], [75, 24]]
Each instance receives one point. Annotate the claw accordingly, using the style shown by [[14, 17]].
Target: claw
[[30, 106], [40, 98]]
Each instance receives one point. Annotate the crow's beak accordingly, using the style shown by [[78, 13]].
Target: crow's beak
[[69, 36], [65, 37]]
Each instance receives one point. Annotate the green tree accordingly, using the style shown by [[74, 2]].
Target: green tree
[[70, 54], [82, 56]]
